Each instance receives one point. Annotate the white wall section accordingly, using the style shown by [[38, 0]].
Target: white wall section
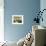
[[1, 20]]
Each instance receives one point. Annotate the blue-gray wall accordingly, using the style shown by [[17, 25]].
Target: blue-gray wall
[[28, 8], [43, 6]]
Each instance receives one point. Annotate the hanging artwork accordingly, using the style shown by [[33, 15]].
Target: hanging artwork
[[17, 19]]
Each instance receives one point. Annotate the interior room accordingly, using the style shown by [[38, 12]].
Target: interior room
[[22, 22]]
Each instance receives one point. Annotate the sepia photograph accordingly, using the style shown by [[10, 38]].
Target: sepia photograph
[[17, 19]]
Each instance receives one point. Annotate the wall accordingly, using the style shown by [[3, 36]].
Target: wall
[[43, 6], [1, 20], [19, 7]]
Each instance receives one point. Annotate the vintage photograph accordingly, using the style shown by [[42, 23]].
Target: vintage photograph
[[17, 19]]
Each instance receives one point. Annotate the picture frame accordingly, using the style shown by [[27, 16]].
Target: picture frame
[[17, 19]]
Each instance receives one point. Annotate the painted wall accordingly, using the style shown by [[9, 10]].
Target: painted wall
[[43, 6], [1, 20], [28, 8]]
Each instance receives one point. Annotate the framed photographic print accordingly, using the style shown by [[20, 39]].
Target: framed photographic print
[[17, 19]]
